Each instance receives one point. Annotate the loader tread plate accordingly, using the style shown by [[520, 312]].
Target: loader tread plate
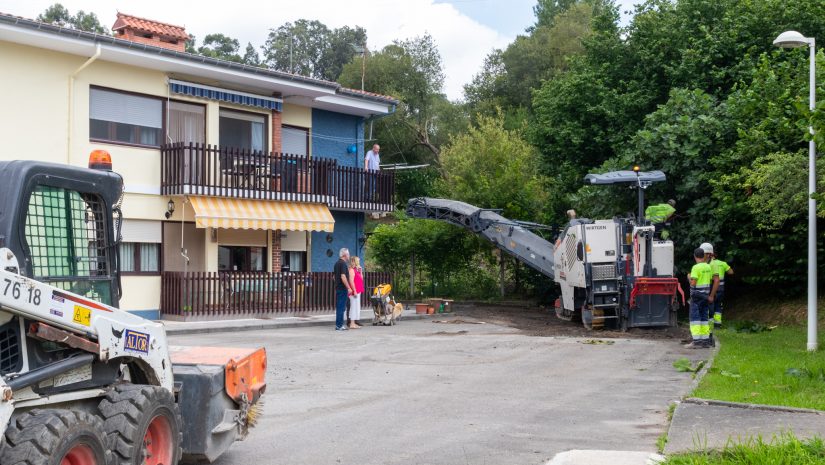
[[43, 436], [124, 410]]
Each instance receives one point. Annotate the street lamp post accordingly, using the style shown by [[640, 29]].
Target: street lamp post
[[362, 50], [793, 39]]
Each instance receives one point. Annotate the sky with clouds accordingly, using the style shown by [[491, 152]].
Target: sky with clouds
[[464, 30]]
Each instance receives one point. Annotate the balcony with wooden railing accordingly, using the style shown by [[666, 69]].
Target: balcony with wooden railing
[[207, 295], [210, 170]]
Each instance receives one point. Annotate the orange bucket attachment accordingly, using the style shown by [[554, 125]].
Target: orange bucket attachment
[[245, 369]]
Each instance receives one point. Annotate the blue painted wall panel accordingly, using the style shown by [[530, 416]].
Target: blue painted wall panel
[[147, 314], [348, 227], [333, 132]]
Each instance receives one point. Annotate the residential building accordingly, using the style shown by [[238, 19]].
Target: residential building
[[241, 183]]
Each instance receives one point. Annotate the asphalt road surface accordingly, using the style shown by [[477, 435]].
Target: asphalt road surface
[[441, 393]]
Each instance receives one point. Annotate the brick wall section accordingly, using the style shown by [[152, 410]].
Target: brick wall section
[[276, 251], [155, 41], [276, 148], [276, 132]]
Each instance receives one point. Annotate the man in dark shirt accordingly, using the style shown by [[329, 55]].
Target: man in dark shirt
[[342, 288]]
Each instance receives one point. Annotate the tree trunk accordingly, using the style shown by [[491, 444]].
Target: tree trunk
[[412, 276], [501, 259]]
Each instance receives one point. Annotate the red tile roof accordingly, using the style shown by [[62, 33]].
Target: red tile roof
[[149, 26], [369, 94]]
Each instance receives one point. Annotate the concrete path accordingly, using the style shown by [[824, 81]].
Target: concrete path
[[254, 324], [701, 424], [605, 457]]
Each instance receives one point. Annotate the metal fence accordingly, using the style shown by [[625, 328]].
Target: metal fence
[[248, 294], [205, 169]]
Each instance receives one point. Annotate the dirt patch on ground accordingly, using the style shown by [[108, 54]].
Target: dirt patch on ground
[[450, 333], [542, 322]]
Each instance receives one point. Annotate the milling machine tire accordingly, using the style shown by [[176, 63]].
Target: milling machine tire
[[592, 318], [55, 437], [142, 424], [673, 319]]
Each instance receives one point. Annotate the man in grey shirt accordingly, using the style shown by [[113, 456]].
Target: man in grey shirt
[[372, 165]]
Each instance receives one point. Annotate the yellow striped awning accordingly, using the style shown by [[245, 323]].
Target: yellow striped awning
[[215, 212]]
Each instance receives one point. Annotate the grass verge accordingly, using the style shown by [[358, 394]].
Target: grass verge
[[769, 367], [661, 441], [786, 449]]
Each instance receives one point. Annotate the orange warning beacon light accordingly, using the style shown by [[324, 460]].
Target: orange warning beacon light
[[100, 160], [636, 168]]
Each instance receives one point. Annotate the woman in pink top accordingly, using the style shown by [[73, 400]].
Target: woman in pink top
[[357, 283]]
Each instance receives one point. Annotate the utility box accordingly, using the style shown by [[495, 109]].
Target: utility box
[[663, 258]]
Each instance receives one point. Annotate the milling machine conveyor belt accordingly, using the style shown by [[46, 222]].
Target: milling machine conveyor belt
[[508, 235]]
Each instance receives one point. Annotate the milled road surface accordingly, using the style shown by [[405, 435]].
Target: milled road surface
[[429, 393]]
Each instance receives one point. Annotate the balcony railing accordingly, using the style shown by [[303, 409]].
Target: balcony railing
[[201, 169], [194, 295]]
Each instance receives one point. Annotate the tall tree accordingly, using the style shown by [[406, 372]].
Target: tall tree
[[191, 44], [58, 14], [344, 44], [511, 75], [546, 11], [220, 46], [88, 22], [312, 49], [412, 71], [250, 56], [497, 168]]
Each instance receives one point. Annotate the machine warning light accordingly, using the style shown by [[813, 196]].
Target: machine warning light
[[100, 160]]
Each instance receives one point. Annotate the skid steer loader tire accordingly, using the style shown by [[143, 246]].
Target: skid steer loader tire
[[142, 424], [55, 437]]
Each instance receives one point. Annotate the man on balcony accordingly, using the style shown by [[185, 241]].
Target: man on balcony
[[372, 165]]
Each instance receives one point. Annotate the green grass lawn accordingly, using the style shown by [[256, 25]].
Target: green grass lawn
[[770, 367], [786, 450]]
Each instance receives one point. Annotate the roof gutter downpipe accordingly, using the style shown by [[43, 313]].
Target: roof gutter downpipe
[[373, 118], [72, 77]]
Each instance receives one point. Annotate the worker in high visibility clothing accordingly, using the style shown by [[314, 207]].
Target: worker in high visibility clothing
[[720, 269], [701, 296], [659, 214]]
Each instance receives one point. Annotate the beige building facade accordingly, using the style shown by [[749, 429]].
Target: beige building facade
[[68, 93]]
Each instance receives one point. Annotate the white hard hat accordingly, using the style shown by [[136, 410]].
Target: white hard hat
[[707, 247]]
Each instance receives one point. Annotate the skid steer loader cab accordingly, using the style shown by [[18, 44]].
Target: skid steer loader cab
[[57, 220]]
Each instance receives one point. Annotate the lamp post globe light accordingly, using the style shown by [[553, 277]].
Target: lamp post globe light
[[793, 39]]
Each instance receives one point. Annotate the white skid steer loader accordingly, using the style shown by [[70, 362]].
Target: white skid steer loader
[[81, 381]]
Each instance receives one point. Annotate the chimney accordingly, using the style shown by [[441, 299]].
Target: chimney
[[149, 32]]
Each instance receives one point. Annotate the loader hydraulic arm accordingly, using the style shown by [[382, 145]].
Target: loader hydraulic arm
[[510, 236]]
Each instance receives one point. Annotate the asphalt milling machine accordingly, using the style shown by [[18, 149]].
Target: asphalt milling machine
[[611, 273], [81, 381]]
